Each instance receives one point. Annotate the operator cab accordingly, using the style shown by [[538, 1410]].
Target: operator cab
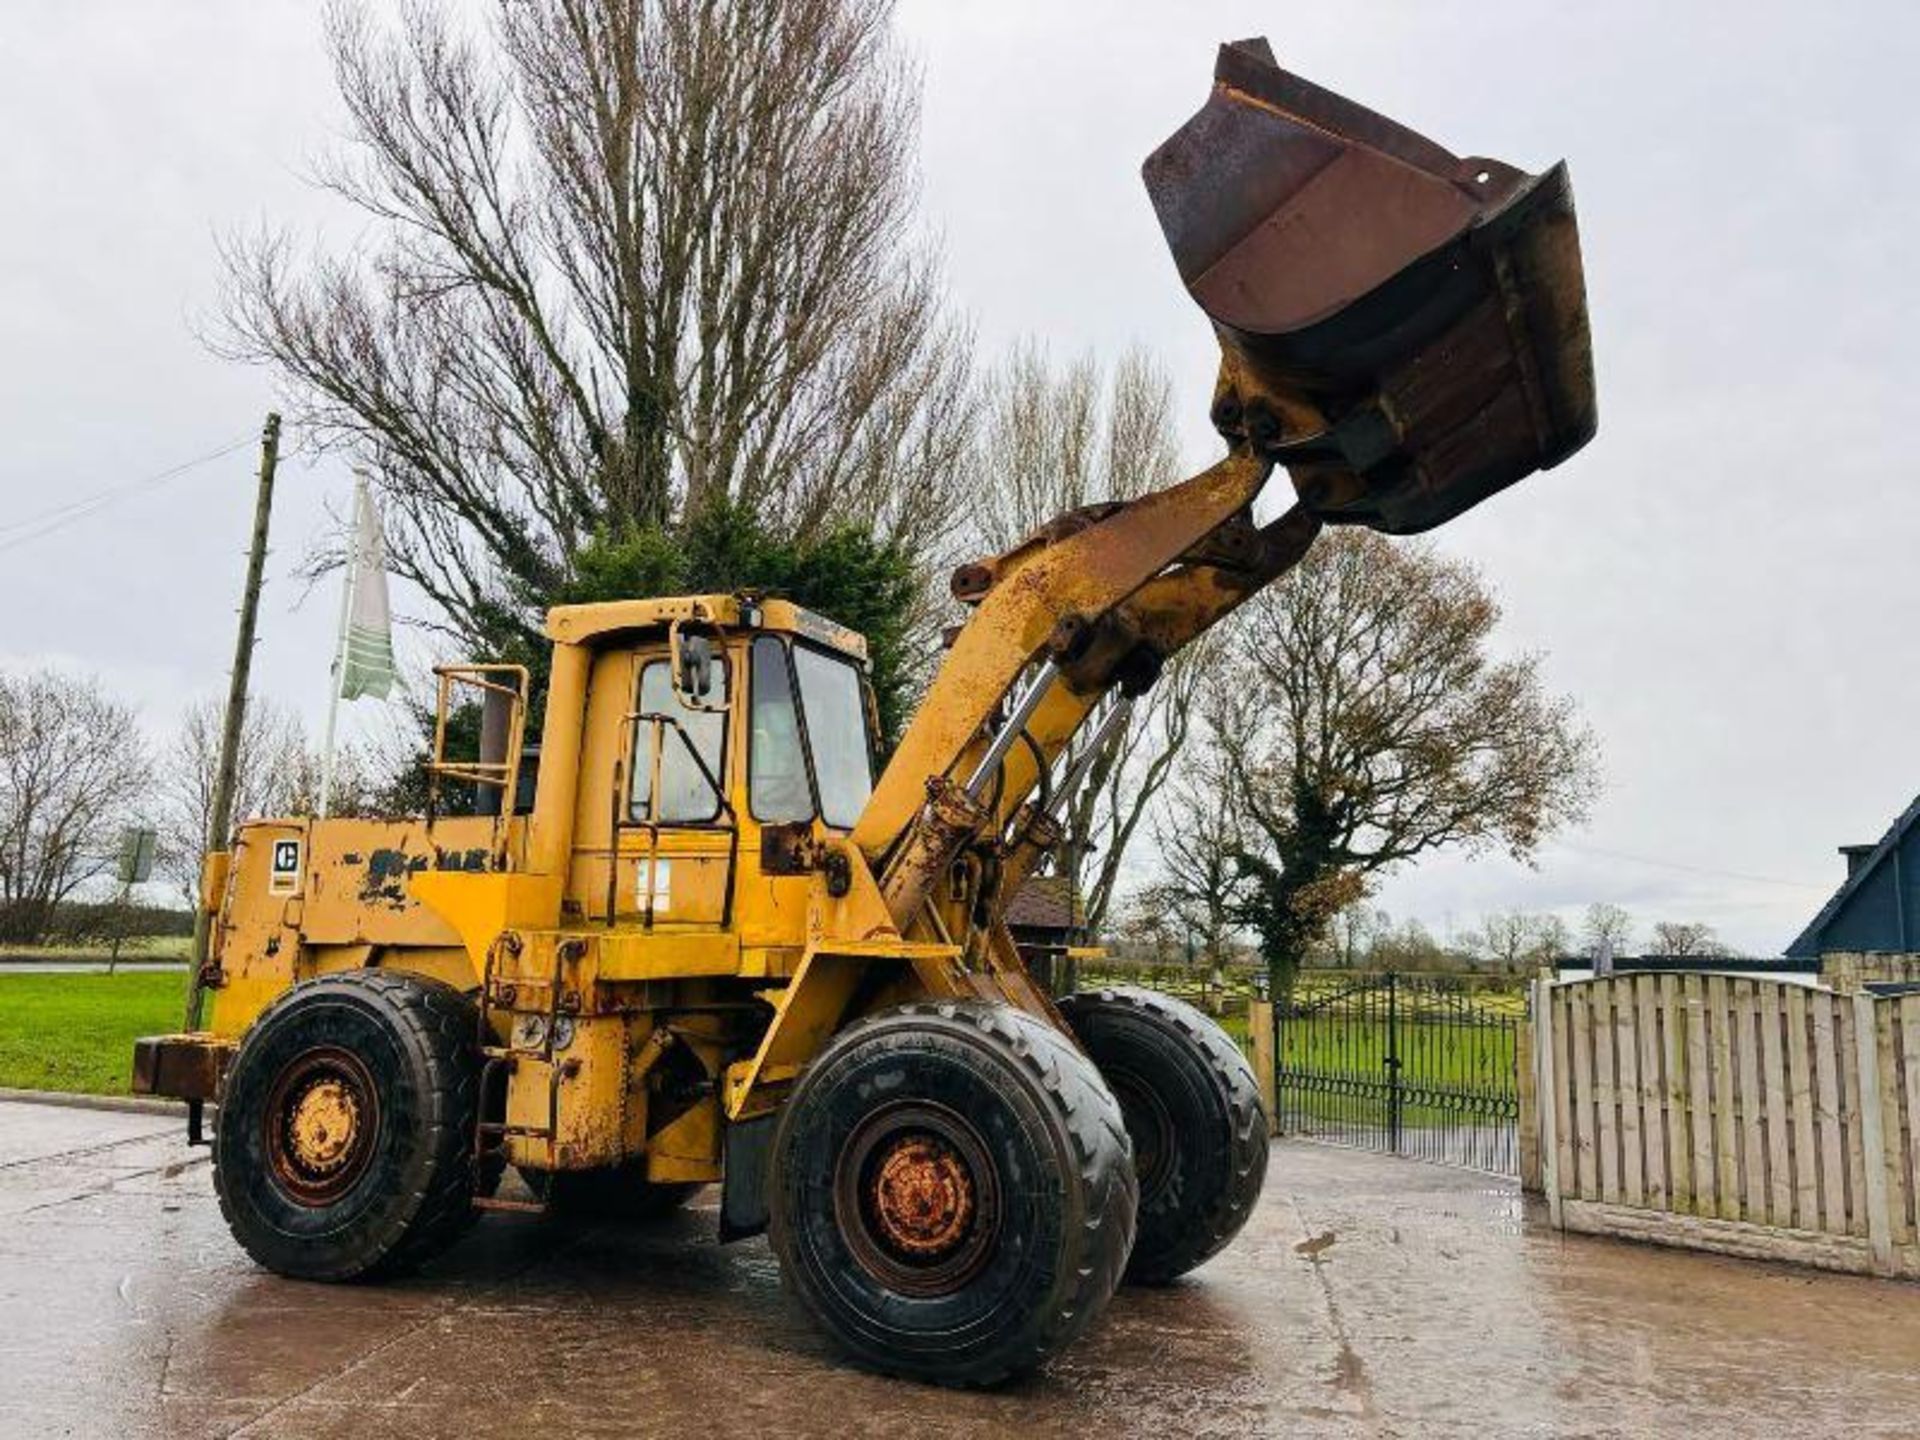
[[806, 711], [707, 720]]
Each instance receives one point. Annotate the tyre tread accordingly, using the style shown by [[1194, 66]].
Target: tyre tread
[[1102, 1151], [438, 1023], [1216, 1226]]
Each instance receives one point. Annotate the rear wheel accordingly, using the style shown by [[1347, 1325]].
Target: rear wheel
[[345, 1139], [1193, 1111], [951, 1192]]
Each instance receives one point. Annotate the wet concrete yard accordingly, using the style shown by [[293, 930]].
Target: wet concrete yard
[[1369, 1297]]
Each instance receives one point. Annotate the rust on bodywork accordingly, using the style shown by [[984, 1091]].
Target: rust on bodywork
[[789, 849], [922, 1196], [182, 1067]]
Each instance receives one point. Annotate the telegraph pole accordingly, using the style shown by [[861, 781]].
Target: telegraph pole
[[220, 822]]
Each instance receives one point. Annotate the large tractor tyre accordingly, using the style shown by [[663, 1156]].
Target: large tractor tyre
[[612, 1193], [344, 1149], [1193, 1111], [951, 1192]]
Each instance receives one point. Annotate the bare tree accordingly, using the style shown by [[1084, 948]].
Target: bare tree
[[1553, 940], [1146, 927], [1351, 936], [1105, 816], [362, 776], [72, 768], [1407, 946], [1514, 940], [627, 260], [1053, 439], [1605, 927], [1198, 836], [1688, 938], [1366, 723], [272, 744]]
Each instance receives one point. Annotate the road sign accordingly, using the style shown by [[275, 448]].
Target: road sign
[[136, 855]]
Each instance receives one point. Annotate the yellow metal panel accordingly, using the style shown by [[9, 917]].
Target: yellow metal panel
[[213, 880], [686, 874], [583, 624], [550, 834], [238, 1003], [688, 1148], [581, 1097], [770, 962], [256, 935], [362, 880], [476, 908], [668, 954], [814, 1005], [769, 911], [807, 1012], [604, 782]]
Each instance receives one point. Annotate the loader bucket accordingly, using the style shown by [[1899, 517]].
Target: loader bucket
[[1403, 329]]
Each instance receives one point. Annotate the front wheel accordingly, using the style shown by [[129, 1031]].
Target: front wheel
[[952, 1193], [344, 1148], [1193, 1109]]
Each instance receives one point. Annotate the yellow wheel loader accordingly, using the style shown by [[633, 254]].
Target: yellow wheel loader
[[704, 942]]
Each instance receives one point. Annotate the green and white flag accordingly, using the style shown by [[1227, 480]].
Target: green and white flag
[[366, 647]]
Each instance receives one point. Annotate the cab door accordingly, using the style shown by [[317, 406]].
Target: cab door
[[661, 851]]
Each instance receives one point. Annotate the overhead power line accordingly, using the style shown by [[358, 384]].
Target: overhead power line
[[1711, 873], [34, 527]]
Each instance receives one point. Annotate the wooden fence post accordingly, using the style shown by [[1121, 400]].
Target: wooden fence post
[[1873, 1133], [1546, 1121], [1260, 1030], [1526, 1042]]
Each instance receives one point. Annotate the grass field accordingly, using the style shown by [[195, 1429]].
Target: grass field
[[1340, 1069], [138, 947], [1235, 1024], [76, 1032]]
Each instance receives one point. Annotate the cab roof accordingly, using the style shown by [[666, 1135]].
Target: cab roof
[[585, 624]]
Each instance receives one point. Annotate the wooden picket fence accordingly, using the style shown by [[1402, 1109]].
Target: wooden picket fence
[[1750, 1116]]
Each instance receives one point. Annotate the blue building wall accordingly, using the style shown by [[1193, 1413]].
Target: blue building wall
[[1878, 908]]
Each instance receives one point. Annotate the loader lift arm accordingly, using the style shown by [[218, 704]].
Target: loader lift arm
[[1074, 616], [1403, 329]]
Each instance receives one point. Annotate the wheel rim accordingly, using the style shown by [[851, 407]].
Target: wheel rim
[[1150, 1126], [321, 1119], [917, 1198]]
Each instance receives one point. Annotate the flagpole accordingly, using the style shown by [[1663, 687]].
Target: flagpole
[[340, 650]]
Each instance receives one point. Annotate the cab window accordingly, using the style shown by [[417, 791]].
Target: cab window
[[778, 790], [685, 796], [837, 727]]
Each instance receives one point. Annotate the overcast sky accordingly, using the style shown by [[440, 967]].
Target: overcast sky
[[1723, 579]]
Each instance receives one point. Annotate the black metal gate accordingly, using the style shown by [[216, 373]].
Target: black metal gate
[[1417, 1065]]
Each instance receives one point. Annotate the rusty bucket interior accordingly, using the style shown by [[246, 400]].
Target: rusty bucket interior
[[1403, 329]]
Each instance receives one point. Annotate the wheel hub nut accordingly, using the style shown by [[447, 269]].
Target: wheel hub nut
[[324, 1120], [923, 1197]]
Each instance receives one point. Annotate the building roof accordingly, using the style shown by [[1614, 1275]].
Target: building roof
[[1044, 902], [1864, 872]]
